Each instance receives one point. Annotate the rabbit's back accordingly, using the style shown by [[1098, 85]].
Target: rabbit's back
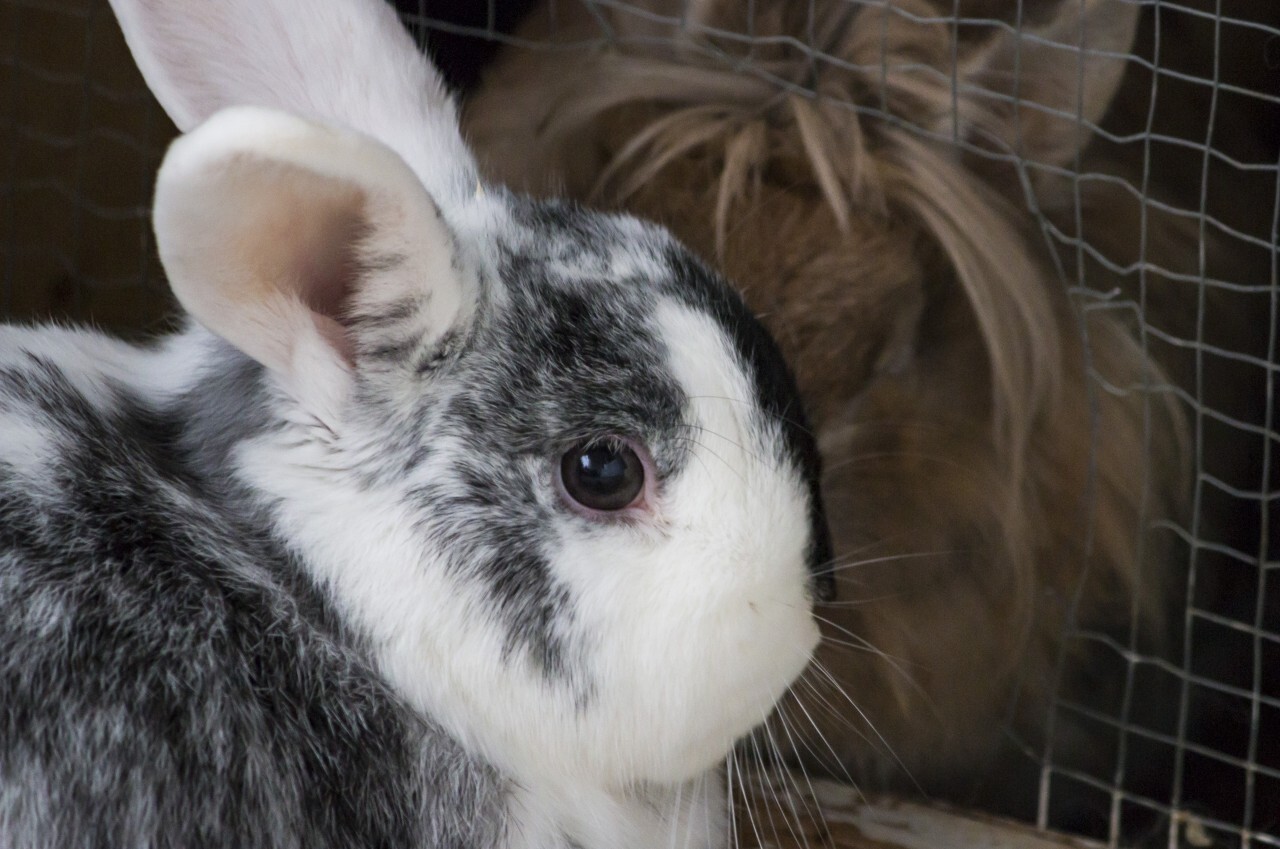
[[170, 677]]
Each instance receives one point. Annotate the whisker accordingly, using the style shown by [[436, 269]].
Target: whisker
[[772, 763], [707, 839], [871, 725], [730, 763], [942, 459], [779, 769], [840, 717], [835, 756], [862, 602], [767, 808], [895, 425], [726, 463], [744, 788], [785, 419], [703, 429], [862, 643], [847, 568], [838, 566], [675, 820], [811, 809], [855, 640]]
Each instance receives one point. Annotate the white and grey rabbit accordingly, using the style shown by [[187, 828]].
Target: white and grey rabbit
[[451, 518]]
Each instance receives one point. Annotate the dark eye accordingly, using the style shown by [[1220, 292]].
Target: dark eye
[[604, 476]]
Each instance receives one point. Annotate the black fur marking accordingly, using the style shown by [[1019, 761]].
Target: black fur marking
[[498, 534], [396, 350], [390, 315], [444, 349], [381, 263]]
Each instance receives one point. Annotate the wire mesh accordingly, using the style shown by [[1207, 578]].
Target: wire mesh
[[80, 140], [1193, 723], [1194, 138]]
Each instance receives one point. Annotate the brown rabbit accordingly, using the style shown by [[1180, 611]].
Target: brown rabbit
[[996, 450]]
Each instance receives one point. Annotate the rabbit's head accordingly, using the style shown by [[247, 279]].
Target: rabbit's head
[[546, 462], [858, 168]]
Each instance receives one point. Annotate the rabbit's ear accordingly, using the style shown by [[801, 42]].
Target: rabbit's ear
[[1040, 90], [272, 228], [348, 62]]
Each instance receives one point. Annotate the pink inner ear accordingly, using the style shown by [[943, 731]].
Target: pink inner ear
[[305, 234], [328, 269]]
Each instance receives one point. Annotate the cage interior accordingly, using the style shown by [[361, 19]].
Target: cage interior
[[1191, 719]]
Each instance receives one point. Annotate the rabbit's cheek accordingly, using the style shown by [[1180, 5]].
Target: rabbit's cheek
[[714, 623], [686, 641]]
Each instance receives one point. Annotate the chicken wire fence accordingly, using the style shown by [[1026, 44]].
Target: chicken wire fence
[[1199, 108]]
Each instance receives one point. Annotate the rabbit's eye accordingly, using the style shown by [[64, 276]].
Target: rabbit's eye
[[602, 476]]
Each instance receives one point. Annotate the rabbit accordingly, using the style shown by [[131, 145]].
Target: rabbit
[[861, 170], [447, 518]]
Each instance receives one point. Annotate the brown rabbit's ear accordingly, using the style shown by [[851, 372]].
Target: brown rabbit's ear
[[1039, 87], [661, 19]]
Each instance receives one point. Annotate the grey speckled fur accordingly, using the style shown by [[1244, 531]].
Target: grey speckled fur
[[170, 677]]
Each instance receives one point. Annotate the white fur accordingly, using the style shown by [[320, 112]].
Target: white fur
[[91, 361], [28, 446]]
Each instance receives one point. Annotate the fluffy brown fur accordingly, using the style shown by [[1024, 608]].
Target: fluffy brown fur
[[995, 453]]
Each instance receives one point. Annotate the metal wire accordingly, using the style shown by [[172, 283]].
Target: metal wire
[[1248, 762], [80, 139]]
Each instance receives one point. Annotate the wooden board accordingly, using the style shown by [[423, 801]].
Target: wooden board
[[826, 815]]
